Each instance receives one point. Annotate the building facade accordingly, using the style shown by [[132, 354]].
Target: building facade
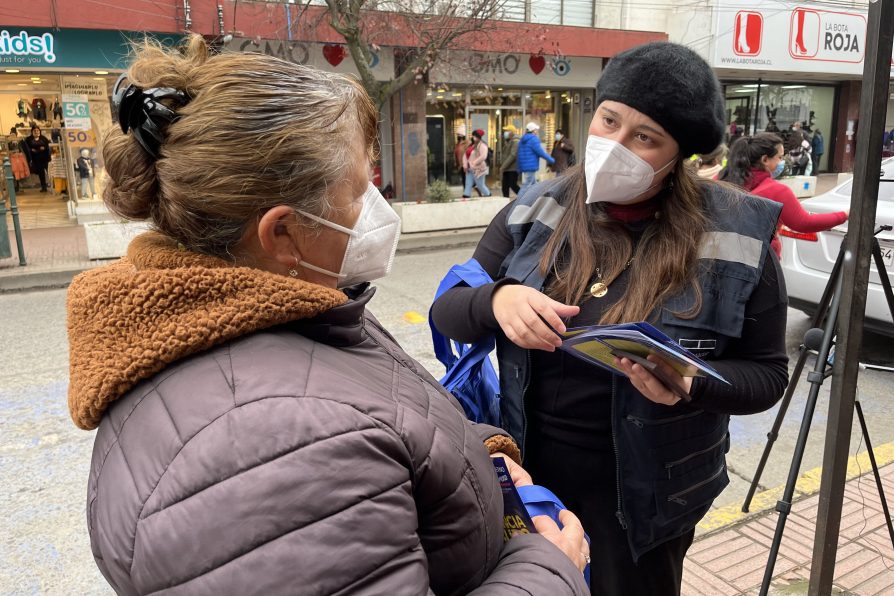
[[782, 62], [779, 62]]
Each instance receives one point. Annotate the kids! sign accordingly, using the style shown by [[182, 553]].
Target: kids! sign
[[27, 50]]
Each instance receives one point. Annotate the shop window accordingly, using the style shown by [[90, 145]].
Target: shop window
[[778, 107], [37, 99]]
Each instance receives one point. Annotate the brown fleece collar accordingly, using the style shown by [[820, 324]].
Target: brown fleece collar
[[159, 304]]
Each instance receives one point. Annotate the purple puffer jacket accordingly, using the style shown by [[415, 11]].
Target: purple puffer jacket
[[311, 458]]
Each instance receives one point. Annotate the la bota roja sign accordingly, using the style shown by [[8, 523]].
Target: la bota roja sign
[[839, 39], [772, 35], [25, 49]]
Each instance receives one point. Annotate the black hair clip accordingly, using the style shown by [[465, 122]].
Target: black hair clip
[[141, 112]]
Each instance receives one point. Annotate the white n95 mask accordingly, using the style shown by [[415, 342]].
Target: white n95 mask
[[372, 242], [614, 173]]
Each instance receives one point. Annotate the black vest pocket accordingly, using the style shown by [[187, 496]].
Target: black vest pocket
[[690, 496], [654, 432], [692, 455]]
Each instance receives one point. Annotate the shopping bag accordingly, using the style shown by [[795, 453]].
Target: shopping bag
[[470, 375], [539, 500]]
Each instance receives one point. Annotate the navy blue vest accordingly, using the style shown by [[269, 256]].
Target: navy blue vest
[[670, 460]]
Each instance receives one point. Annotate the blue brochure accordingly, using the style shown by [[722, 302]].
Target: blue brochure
[[515, 517], [601, 344]]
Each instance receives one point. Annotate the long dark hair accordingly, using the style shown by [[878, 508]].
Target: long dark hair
[[665, 260], [745, 154]]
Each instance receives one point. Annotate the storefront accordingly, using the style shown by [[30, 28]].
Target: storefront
[[774, 107], [783, 62], [59, 81], [503, 92]]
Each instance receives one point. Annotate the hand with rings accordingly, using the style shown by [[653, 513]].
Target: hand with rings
[[570, 539]]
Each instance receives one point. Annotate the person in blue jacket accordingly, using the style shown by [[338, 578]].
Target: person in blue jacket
[[530, 151]]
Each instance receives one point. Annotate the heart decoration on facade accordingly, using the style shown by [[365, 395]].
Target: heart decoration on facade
[[334, 53], [537, 63]]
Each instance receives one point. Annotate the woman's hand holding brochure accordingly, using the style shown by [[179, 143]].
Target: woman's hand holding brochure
[[658, 367]]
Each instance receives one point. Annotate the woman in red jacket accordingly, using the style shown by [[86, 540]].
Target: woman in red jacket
[[754, 163]]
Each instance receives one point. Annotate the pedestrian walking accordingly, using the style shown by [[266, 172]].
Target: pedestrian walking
[[530, 152], [459, 150], [259, 432], [710, 164], [633, 235], [37, 147], [509, 167], [754, 164], [476, 166], [818, 145], [562, 153], [795, 147]]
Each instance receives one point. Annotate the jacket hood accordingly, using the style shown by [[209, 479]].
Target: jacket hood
[[161, 303]]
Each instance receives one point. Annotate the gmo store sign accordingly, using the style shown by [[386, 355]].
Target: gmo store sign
[[23, 49]]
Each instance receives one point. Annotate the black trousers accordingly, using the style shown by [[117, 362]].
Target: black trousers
[[510, 181], [41, 170], [585, 482]]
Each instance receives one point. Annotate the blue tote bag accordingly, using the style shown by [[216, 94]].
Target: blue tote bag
[[470, 377]]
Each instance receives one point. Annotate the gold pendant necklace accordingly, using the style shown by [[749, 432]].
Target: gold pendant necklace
[[600, 288]]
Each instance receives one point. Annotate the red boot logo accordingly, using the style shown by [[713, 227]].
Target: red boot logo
[[748, 34], [804, 35]]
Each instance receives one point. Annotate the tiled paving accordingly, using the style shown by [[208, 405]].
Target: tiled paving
[[41, 210], [731, 561], [48, 249]]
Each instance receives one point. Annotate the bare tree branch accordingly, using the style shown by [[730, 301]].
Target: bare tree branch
[[431, 28]]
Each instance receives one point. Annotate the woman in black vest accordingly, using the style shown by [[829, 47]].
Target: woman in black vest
[[631, 234], [39, 155]]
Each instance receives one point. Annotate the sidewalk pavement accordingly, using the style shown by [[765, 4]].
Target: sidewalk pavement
[[54, 256], [731, 560]]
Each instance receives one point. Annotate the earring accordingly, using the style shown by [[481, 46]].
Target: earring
[[293, 272]]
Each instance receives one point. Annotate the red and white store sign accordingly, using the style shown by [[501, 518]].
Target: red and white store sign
[[771, 35]]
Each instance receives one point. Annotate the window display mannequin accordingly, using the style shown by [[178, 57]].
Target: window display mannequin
[[38, 149], [39, 108], [85, 168], [23, 108], [56, 109]]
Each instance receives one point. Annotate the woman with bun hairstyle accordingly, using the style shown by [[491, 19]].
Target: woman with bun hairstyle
[[258, 431], [632, 234], [754, 163]]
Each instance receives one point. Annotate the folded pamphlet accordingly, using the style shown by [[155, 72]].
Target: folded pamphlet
[[515, 517], [601, 344]]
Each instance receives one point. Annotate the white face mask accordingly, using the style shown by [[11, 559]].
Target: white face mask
[[558, 136], [615, 174], [372, 242]]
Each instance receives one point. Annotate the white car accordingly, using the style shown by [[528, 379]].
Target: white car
[[807, 259]]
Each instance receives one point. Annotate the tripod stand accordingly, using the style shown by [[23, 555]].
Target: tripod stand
[[819, 340]]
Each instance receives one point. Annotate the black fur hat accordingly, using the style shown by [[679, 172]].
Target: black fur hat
[[673, 86]]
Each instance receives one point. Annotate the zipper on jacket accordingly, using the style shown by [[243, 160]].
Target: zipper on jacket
[[678, 496], [672, 464], [524, 408], [643, 422], [619, 513]]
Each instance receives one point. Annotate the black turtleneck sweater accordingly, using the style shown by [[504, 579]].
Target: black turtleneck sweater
[[568, 399]]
